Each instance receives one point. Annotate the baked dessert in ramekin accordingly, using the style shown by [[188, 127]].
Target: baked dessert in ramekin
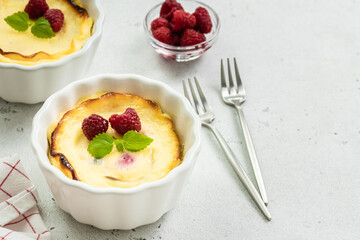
[[114, 207], [47, 71], [68, 145], [24, 48]]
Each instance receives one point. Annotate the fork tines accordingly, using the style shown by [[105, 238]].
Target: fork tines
[[231, 87], [197, 99]]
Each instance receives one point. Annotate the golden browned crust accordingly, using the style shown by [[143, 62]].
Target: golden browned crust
[[19, 54], [61, 158], [78, 8], [12, 55]]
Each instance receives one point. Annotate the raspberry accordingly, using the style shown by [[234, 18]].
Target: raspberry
[[163, 34], [168, 7], [55, 18], [93, 125], [182, 20], [203, 20], [36, 8], [191, 37], [125, 122], [176, 39], [159, 22]]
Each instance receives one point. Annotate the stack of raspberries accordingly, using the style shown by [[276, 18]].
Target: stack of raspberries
[[179, 28]]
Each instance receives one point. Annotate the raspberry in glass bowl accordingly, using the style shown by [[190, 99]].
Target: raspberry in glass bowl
[[181, 30]]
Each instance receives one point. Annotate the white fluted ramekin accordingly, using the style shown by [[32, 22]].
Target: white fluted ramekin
[[33, 84], [118, 208]]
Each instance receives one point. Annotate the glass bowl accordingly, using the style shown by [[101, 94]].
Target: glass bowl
[[178, 53]]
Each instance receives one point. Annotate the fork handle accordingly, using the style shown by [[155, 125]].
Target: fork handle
[[252, 154], [240, 171]]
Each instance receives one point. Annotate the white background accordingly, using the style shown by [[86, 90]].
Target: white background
[[299, 61]]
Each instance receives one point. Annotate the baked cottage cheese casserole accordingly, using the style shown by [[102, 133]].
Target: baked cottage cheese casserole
[[37, 80], [72, 133], [118, 207], [23, 47]]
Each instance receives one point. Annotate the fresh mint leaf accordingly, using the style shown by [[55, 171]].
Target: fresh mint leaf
[[18, 21], [101, 145], [42, 28], [134, 141], [119, 145]]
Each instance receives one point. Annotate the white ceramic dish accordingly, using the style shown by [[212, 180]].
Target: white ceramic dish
[[118, 208], [33, 84]]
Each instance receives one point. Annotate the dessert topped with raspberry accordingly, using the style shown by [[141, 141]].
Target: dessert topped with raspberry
[[176, 27], [37, 31], [114, 140]]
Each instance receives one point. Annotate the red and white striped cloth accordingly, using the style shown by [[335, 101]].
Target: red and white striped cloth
[[19, 216]]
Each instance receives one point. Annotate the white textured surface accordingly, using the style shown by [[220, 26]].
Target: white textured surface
[[300, 66]]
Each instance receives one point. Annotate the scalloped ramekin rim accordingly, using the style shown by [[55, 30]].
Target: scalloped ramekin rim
[[183, 48], [98, 30], [45, 163]]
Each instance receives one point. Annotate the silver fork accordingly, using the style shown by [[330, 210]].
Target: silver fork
[[235, 96], [207, 116]]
